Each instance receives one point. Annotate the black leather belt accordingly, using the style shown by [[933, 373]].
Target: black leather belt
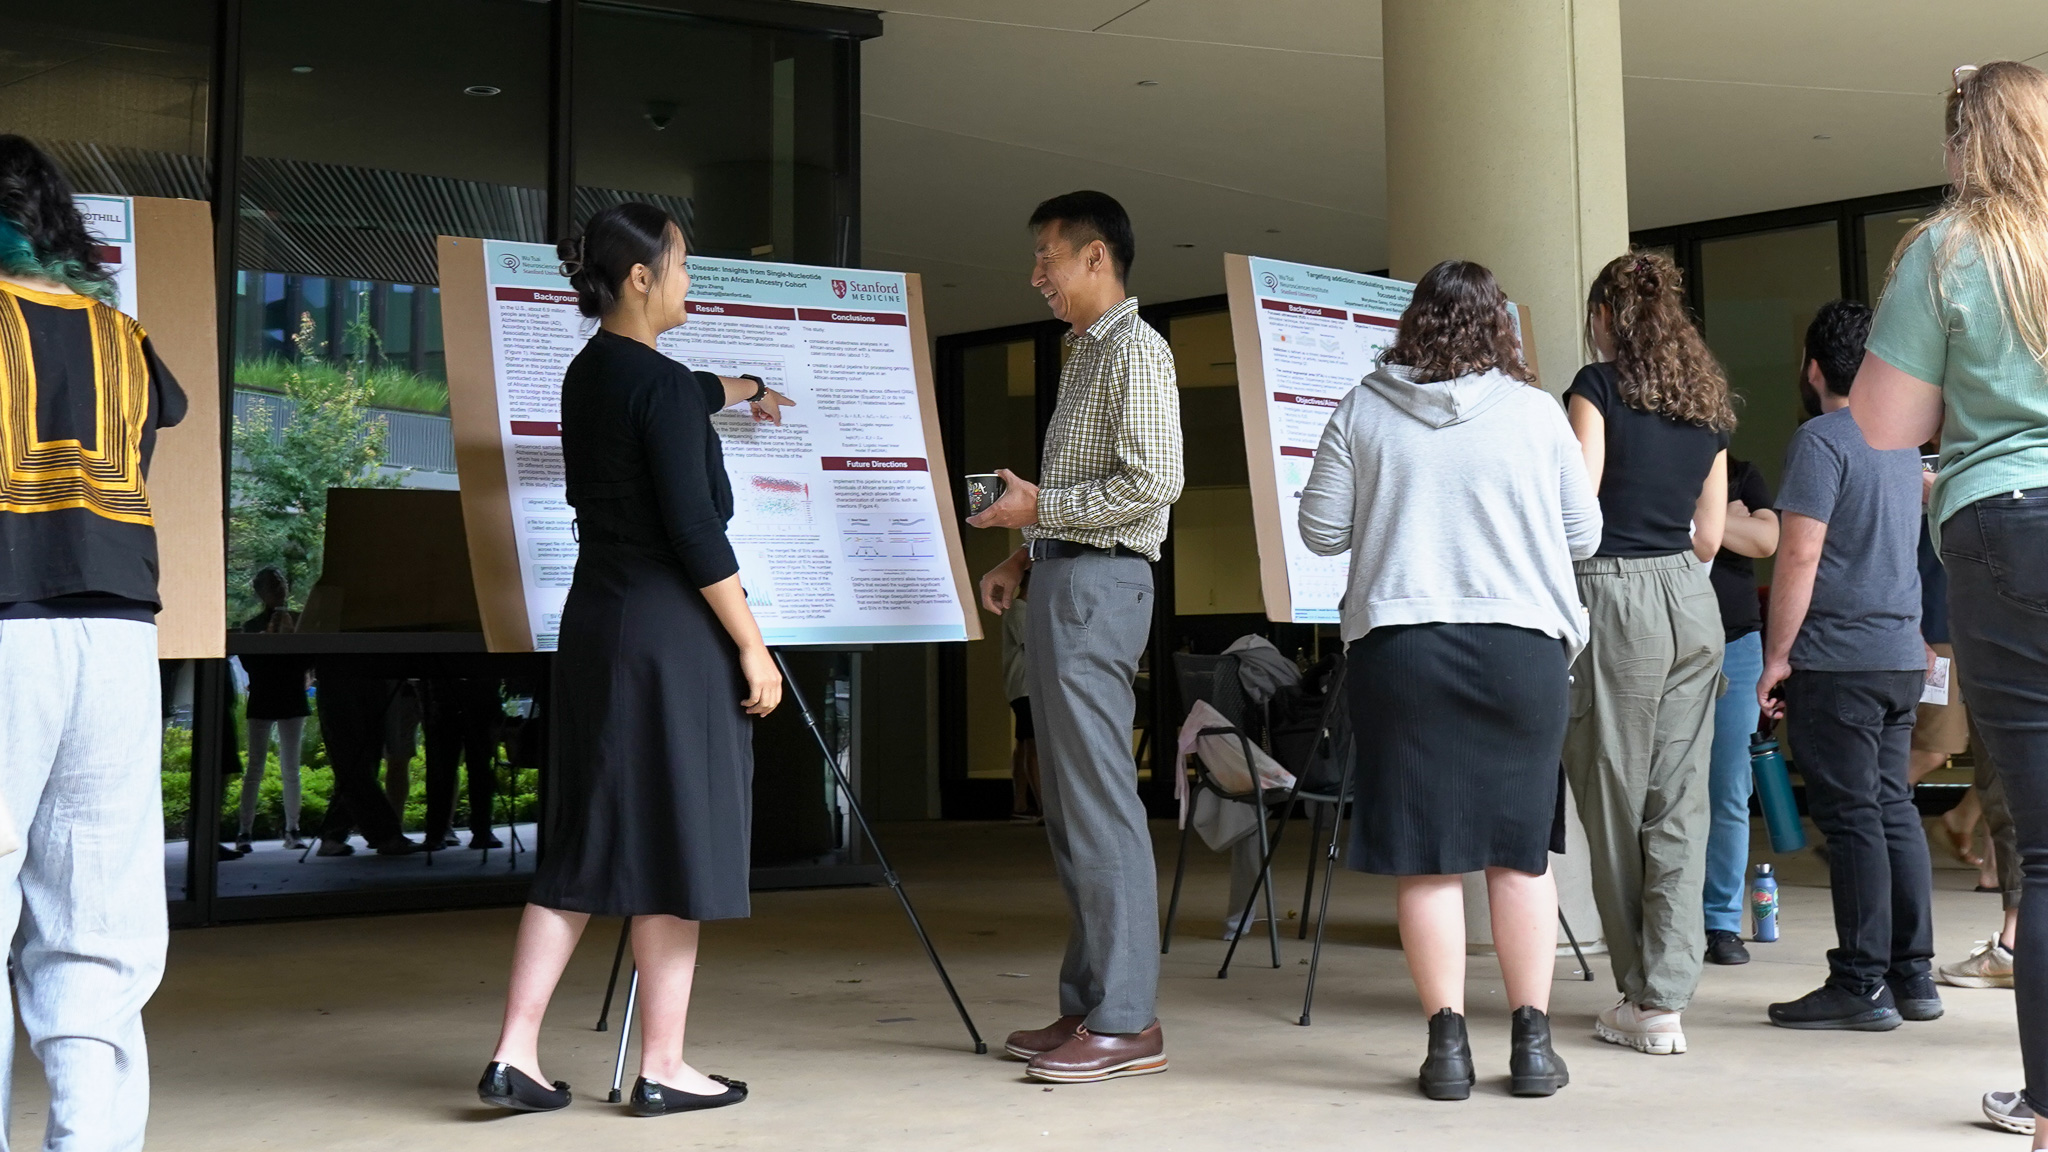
[[1048, 549]]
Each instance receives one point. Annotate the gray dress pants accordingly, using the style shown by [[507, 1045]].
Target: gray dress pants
[[1090, 617]]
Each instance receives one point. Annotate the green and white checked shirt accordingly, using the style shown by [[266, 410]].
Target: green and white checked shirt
[[1111, 466]]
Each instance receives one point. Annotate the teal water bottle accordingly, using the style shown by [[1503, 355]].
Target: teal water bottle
[[1763, 906], [1774, 795]]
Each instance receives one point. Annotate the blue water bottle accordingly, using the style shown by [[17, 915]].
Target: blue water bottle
[[1763, 905], [1774, 795]]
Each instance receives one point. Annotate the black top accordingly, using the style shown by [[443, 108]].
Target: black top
[[277, 684], [642, 461], [82, 394], [1650, 484], [1933, 592], [1734, 575]]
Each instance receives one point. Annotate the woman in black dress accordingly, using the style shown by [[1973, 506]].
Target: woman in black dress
[[660, 666]]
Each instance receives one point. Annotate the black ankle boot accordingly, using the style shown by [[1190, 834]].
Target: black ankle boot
[[1447, 1074], [1533, 1065]]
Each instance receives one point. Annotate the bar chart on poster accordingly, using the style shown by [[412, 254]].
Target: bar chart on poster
[[843, 519]]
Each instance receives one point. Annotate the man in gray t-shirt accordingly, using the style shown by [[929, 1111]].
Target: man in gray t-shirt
[[1844, 663]]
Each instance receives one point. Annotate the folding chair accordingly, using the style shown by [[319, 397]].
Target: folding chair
[[1214, 680]]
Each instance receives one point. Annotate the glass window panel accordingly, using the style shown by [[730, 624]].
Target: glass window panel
[[1882, 232], [368, 131], [1761, 292], [999, 406], [1215, 549], [730, 127], [116, 92]]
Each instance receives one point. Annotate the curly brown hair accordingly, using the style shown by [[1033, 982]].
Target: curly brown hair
[[1456, 325], [1660, 357]]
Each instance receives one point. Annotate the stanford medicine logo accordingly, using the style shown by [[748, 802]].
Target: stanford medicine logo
[[888, 293]]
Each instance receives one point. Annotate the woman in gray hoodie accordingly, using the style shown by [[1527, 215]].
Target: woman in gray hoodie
[[1463, 498]]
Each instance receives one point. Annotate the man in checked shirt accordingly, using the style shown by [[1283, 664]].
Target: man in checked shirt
[[1109, 471]]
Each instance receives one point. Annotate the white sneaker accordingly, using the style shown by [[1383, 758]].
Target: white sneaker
[[1230, 931], [1645, 1030], [1989, 966], [2009, 1112]]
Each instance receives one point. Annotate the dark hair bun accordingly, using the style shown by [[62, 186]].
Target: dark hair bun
[[615, 239]]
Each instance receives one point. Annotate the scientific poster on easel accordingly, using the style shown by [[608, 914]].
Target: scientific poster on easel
[[1305, 336], [843, 520], [111, 221]]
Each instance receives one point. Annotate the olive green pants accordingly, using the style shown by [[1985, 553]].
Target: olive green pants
[[1637, 753]]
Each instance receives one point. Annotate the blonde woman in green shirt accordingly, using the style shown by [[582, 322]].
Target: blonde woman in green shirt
[[1959, 345]]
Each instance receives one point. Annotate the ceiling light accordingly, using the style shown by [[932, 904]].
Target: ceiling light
[[302, 69], [1273, 231], [1823, 136], [1148, 83], [948, 284], [482, 90], [1183, 245], [1908, 220]]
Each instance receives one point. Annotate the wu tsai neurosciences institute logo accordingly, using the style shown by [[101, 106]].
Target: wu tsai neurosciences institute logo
[[1271, 282], [510, 260], [839, 289]]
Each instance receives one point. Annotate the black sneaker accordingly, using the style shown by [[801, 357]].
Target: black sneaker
[[1829, 1007], [1725, 948], [1916, 996]]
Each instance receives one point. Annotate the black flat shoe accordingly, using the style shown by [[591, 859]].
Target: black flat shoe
[[651, 1099], [504, 1086], [1533, 1065], [1447, 1073]]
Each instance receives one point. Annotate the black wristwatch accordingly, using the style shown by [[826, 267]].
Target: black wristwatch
[[760, 387]]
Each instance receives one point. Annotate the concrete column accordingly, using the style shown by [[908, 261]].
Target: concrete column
[[1505, 146]]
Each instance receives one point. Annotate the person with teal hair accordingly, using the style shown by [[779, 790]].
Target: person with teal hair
[[82, 395]]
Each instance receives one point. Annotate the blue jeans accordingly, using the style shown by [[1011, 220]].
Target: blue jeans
[[1728, 784]]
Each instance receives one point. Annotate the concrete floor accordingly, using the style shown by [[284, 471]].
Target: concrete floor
[[369, 1033]]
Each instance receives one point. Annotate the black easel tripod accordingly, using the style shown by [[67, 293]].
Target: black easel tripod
[[796, 696]]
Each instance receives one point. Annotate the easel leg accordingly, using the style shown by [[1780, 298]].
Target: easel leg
[[796, 697], [625, 1034], [612, 985]]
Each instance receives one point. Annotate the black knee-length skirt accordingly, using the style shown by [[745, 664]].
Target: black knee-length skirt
[[1459, 730], [652, 808]]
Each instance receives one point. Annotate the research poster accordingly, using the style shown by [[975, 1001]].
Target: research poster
[[111, 221], [1305, 336], [841, 522]]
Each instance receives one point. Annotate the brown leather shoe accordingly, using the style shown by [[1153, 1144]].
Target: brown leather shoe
[[1092, 1056], [1038, 1041]]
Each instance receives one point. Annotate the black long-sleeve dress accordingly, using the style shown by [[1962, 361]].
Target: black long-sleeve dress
[[652, 812]]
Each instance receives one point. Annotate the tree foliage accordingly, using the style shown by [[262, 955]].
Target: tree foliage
[[278, 516]]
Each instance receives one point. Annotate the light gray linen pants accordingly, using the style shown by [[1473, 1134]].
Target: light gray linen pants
[[83, 901], [1090, 617], [1637, 751]]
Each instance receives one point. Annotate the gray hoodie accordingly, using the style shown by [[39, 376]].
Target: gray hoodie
[[1461, 501]]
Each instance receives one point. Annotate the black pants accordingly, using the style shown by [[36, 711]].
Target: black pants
[[1852, 734], [1996, 553], [352, 710], [461, 716]]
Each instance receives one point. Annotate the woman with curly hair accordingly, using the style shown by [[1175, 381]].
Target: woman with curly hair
[[1459, 492], [1652, 416]]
